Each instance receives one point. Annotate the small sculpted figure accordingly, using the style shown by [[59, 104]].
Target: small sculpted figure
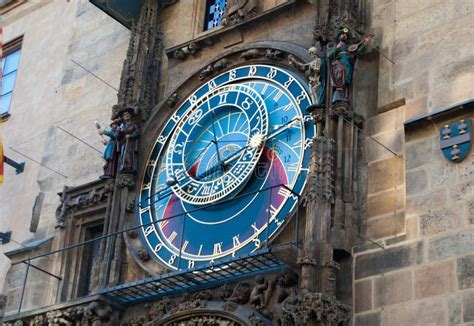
[[111, 150], [342, 57], [129, 135], [316, 71]]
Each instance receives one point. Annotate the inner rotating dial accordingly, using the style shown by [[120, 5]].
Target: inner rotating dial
[[216, 147]]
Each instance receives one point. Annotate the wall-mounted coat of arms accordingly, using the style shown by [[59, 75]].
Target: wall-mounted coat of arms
[[455, 140]]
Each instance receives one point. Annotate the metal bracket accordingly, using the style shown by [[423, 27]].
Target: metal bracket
[[5, 237], [19, 167]]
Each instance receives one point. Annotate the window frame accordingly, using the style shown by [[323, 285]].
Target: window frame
[[7, 49], [205, 16]]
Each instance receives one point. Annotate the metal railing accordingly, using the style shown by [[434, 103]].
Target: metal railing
[[263, 246]]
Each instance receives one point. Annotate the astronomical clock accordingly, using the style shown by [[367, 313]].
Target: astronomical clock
[[224, 174]]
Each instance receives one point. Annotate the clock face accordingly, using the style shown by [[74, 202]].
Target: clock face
[[226, 171]]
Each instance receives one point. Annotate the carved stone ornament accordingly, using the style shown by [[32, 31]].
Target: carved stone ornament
[[126, 180], [306, 309], [321, 176], [185, 51], [141, 68], [143, 255], [96, 313], [237, 11], [213, 68], [87, 198], [173, 100], [252, 54]]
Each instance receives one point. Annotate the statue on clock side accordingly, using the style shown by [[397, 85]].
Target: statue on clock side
[[342, 58], [111, 151], [129, 136], [316, 72]]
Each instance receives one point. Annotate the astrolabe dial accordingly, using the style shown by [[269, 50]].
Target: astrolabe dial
[[212, 152], [225, 172]]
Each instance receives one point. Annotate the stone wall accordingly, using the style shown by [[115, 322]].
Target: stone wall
[[52, 92], [426, 276], [418, 203]]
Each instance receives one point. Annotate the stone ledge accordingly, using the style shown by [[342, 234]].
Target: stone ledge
[[211, 37], [454, 110]]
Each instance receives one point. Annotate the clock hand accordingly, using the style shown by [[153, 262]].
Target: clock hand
[[215, 137], [200, 152], [234, 156], [283, 128]]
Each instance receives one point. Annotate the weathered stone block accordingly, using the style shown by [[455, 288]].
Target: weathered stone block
[[442, 173], [466, 168], [434, 199], [465, 272], [420, 152], [393, 140], [393, 288], [434, 280], [461, 191], [389, 260], [441, 220], [416, 181], [385, 202], [387, 226], [454, 310], [385, 174], [362, 296], [468, 306], [414, 108], [384, 122], [451, 245], [470, 212], [432, 312], [372, 319], [411, 225]]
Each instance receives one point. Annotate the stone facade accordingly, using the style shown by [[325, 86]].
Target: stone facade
[[53, 92], [418, 202], [387, 232]]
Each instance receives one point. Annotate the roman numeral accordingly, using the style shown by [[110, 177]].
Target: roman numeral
[[217, 248], [273, 211], [164, 223], [254, 227], [278, 96], [200, 250], [236, 240], [185, 245], [223, 98], [293, 167], [190, 263], [172, 236], [287, 107]]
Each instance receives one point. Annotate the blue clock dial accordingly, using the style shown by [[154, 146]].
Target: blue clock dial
[[225, 172], [206, 161]]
